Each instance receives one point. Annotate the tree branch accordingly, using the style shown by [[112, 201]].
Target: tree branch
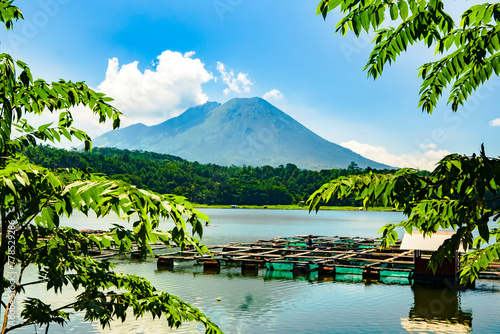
[[33, 283], [6, 315], [65, 306], [34, 215], [3, 248], [8, 329], [27, 323]]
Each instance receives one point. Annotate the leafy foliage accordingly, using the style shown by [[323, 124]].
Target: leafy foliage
[[33, 198], [462, 193], [470, 49]]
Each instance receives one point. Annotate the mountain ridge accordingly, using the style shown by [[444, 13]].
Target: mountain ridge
[[242, 131]]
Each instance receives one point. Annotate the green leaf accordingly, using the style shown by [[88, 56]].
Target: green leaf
[[365, 20], [484, 231], [10, 184], [393, 9], [403, 9], [201, 215]]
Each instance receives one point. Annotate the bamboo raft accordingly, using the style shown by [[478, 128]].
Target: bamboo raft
[[329, 255]]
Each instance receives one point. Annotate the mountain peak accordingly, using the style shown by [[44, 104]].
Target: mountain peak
[[252, 109], [242, 131], [254, 99], [189, 118], [250, 101]]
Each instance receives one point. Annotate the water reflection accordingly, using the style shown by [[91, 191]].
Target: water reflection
[[248, 302], [437, 311], [249, 272]]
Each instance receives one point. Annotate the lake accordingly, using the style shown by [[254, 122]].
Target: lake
[[281, 303]]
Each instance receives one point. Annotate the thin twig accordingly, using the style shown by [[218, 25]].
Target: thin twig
[[36, 282], [35, 215]]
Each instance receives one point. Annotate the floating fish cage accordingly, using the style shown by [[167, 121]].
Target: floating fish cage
[[303, 255], [309, 256]]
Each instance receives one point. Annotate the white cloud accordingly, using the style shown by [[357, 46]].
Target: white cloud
[[155, 95], [426, 146], [273, 94], [149, 97], [235, 83], [495, 122], [420, 159]]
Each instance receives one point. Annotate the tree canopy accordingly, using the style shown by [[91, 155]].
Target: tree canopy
[[34, 198], [200, 183], [470, 49], [462, 193]]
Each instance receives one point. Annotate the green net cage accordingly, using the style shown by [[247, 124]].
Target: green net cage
[[394, 273], [279, 266], [348, 271]]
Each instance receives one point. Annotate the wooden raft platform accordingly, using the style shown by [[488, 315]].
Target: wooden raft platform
[[327, 254]]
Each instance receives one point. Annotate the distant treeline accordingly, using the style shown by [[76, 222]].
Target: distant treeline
[[200, 183]]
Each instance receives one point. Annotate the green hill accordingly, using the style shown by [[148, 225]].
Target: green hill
[[200, 183]]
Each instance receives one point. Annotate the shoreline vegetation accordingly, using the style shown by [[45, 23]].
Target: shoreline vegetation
[[292, 207], [207, 184]]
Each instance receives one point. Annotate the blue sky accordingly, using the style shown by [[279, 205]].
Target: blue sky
[[157, 58]]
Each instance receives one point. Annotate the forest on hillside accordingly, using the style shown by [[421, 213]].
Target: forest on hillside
[[200, 183]]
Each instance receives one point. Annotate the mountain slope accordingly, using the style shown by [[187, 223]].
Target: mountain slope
[[240, 132]]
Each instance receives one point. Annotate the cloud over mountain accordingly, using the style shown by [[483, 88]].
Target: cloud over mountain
[[162, 92], [273, 95], [235, 83]]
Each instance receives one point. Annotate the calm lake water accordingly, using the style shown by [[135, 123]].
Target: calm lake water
[[283, 304]]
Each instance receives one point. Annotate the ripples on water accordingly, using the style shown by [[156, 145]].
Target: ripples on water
[[268, 304], [281, 303], [261, 304]]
